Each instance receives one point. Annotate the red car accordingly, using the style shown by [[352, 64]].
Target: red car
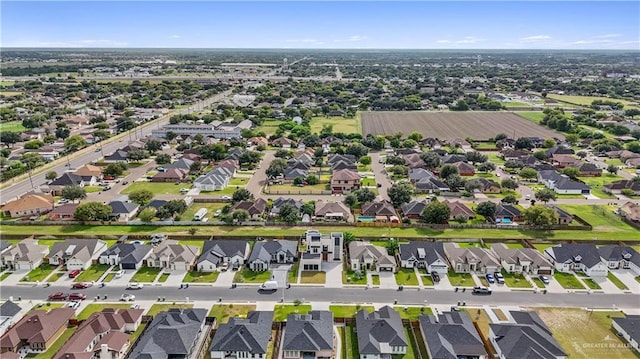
[[58, 296], [77, 296], [108, 178], [74, 273], [81, 285]]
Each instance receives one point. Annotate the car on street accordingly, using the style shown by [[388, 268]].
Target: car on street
[[77, 296], [544, 279], [226, 197], [135, 285], [481, 290], [127, 298], [435, 276], [74, 273], [81, 285], [119, 273], [58, 296], [499, 277], [490, 278]]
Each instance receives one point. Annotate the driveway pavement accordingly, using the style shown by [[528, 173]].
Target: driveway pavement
[[259, 178], [225, 279], [381, 175], [628, 277], [280, 273], [606, 285], [387, 280], [554, 286], [175, 278], [334, 274], [444, 283]]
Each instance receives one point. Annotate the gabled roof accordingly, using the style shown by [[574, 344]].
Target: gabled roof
[[378, 208], [528, 338], [121, 207], [82, 249], [37, 326], [309, 332], [118, 155], [359, 250], [433, 251], [615, 252], [175, 251], [584, 253], [345, 175], [263, 250], [245, 335], [479, 256], [322, 208], [29, 201], [172, 173], [4, 245], [507, 210], [338, 157], [215, 250], [379, 328], [253, 207], [631, 325], [416, 174], [183, 164], [413, 208], [67, 208], [451, 335], [519, 255], [459, 209], [9, 309], [128, 253], [26, 250], [67, 179]]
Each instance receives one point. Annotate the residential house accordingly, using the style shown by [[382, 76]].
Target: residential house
[[514, 155], [283, 142], [344, 181], [170, 175], [4, 246], [258, 141], [76, 253], [465, 169], [309, 336], [628, 328], [274, 251], [380, 334], [451, 335], [331, 211], [577, 257], [243, 337], [489, 186], [422, 254], [123, 211], [171, 255], [413, 209], [431, 185], [125, 255], [459, 210], [562, 161], [380, 210], [292, 172], [562, 184], [365, 256], [70, 179], [588, 169], [171, 334], [103, 335], [620, 257], [558, 150], [321, 248], [522, 260], [64, 212], [471, 260], [459, 143], [338, 157], [528, 337], [183, 164], [507, 213], [631, 212], [89, 170], [281, 201], [9, 315], [413, 160], [214, 180], [452, 159], [344, 165], [28, 205], [416, 174], [24, 256], [37, 330], [254, 208], [118, 156], [217, 252], [618, 186], [564, 217]]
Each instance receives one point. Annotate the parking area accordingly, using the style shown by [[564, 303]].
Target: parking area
[[334, 274]]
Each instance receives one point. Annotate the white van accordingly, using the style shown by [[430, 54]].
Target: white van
[[269, 285]]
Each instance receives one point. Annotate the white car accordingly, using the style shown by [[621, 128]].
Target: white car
[[217, 213], [225, 197], [127, 298], [119, 273], [135, 285]]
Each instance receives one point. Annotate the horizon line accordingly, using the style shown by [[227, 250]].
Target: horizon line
[[3, 48]]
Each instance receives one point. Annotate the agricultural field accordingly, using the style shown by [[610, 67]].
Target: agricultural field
[[446, 125], [11, 126], [340, 124], [587, 100]]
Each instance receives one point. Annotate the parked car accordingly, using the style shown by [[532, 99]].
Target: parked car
[[73, 305], [58, 296], [481, 290], [490, 278], [135, 306], [74, 273], [120, 273], [217, 213], [544, 279], [127, 298], [499, 277], [224, 267], [226, 197], [135, 285], [77, 296], [81, 285], [435, 276], [125, 183], [108, 178]]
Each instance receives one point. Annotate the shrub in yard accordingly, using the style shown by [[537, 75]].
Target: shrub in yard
[[297, 302]]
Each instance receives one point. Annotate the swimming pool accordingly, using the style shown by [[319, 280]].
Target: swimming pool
[[366, 219]]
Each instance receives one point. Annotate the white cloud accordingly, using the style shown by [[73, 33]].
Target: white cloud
[[470, 40], [443, 42], [535, 38], [607, 36], [102, 42], [175, 37], [589, 42], [353, 38]]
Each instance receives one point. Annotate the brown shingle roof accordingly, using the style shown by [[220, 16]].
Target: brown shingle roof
[[29, 201], [37, 326]]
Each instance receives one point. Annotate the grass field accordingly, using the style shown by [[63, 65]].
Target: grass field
[[281, 312], [533, 116], [348, 311], [200, 277], [92, 274], [603, 220], [211, 209], [406, 276], [349, 277], [39, 274], [460, 279], [4, 275], [585, 334], [538, 283], [351, 342], [340, 124], [10, 93], [313, 277], [587, 100], [12, 126], [157, 308], [596, 184], [514, 280], [269, 126], [591, 283], [54, 277], [224, 312], [248, 276], [146, 274], [156, 187], [412, 313], [568, 280], [239, 181]]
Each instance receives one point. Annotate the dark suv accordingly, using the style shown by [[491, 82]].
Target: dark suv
[[435, 276]]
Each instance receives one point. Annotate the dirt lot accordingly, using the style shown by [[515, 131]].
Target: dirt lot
[[446, 125]]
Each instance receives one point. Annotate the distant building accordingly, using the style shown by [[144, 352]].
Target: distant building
[[214, 129]]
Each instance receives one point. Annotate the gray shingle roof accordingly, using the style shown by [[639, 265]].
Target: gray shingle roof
[[128, 253], [244, 335], [9, 309], [309, 332], [584, 253], [67, 179], [264, 250], [4, 245], [382, 326], [631, 325], [171, 334], [529, 338], [214, 251], [614, 252], [120, 207], [451, 335], [433, 251]]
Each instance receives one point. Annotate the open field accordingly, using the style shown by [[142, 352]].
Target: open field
[[587, 100], [602, 219], [340, 124], [224, 312], [157, 308], [195, 207], [12, 126], [585, 334], [446, 125], [156, 187], [281, 312], [533, 116]]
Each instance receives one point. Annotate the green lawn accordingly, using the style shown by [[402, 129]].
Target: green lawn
[[55, 276], [591, 283], [410, 348], [533, 116], [292, 276], [343, 340], [615, 280], [38, 274], [427, 280], [281, 312], [157, 308], [49, 353], [92, 274], [538, 282], [340, 124], [514, 245], [293, 189], [568, 280], [239, 181], [94, 308], [109, 277], [351, 342], [412, 313], [603, 220], [163, 277], [269, 126], [156, 187], [596, 184], [313, 277], [200, 277], [460, 279], [348, 311], [4, 275], [226, 191], [638, 279], [587, 100], [406, 276], [515, 280], [375, 279], [542, 246], [91, 189], [12, 126], [146, 274], [248, 276], [573, 328], [223, 312], [349, 277]]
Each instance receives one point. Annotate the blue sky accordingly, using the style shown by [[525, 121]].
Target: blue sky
[[306, 24]]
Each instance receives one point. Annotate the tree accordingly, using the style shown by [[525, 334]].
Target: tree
[[312, 180], [154, 146], [454, 181], [473, 185], [476, 157], [170, 208], [276, 167], [92, 211], [612, 169], [62, 132], [348, 237], [523, 143], [548, 143], [400, 193], [365, 160], [571, 172], [509, 183], [170, 135], [298, 181], [114, 169], [486, 167], [447, 170], [283, 153], [391, 246], [486, 209], [147, 214], [308, 208], [51, 175], [510, 199], [9, 138], [192, 231], [74, 143], [240, 216], [288, 213], [461, 105], [141, 196], [364, 195], [350, 200], [241, 194], [195, 168], [528, 173], [436, 213], [357, 149], [163, 159], [137, 155], [540, 216], [73, 193], [545, 195], [431, 160]]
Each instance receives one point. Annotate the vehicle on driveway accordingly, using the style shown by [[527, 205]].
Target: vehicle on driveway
[[74, 273], [481, 290], [58, 296], [544, 279], [135, 285], [490, 278], [81, 285], [225, 197], [499, 277], [73, 305], [224, 267], [127, 298], [77, 296], [435, 276], [119, 273]]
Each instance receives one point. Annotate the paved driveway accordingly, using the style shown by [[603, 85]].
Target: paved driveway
[[175, 278], [225, 279], [628, 277], [554, 286], [387, 280], [334, 274], [280, 273]]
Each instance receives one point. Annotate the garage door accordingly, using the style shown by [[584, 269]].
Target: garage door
[[128, 266], [544, 271]]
